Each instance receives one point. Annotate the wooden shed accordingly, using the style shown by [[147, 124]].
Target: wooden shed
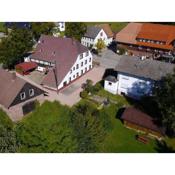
[[138, 120]]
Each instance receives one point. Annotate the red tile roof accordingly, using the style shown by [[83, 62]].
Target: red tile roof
[[129, 33], [107, 29], [139, 118], [26, 66], [157, 32], [62, 50]]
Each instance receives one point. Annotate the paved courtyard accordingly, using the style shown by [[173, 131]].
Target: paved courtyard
[[108, 59], [36, 76], [71, 94]]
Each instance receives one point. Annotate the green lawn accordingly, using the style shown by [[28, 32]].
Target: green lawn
[[42, 126], [121, 139], [118, 98], [115, 26]]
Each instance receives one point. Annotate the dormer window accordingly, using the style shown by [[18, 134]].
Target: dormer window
[[22, 95], [31, 92], [101, 34], [54, 53]]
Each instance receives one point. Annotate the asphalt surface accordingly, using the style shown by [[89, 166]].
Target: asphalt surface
[[108, 59]]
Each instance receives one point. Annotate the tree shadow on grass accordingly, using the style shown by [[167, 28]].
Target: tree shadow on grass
[[162, 147], [119, 113]]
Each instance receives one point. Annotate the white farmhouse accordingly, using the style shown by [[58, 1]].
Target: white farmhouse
[[94, 33], [59, 27], [63, 59], [135, 77]]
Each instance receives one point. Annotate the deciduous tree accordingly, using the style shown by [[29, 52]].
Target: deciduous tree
[[165, 98], [100, 45], [39, 28], [13, 48], [47, 130], [88, 128], [8, 143], [75, 30]]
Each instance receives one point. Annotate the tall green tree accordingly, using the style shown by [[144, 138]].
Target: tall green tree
[[8, 142], [75, 30], [47, 130], [13, 48], [165, 98], [88, 128], [39, 28], [100, 45]]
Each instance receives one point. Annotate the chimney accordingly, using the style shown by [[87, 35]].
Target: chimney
[[13, 76]]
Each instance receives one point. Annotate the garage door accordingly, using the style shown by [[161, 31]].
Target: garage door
[[28, 107]]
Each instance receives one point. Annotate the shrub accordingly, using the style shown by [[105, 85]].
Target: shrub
[[121, 50], [84, 94], [98, 87]]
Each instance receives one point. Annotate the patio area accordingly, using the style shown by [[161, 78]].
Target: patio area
[[36, 76]]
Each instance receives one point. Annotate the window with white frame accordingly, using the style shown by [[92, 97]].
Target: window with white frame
[[90, 59], [81, 56], [85, 61], [77, 66], [31, 92], [87, 53], [22, 95]]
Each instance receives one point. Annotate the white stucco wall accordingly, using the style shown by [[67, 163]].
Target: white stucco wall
[[134, 87], [129, 85], [111, 86], [89, 41], [73, 74]]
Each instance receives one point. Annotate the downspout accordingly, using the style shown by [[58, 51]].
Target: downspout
[[55, 73]]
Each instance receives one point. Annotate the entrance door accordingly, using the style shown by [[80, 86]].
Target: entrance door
[[65, 83]]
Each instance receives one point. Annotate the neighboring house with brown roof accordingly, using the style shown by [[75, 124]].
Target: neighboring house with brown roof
[[148, 37], [135, 77], [138, 120], [65, 60], [16, 93], [94, 33]]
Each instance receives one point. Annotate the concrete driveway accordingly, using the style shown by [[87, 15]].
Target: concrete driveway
[[108, 59], [71, 94]]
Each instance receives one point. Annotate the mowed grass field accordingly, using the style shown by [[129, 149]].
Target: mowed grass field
[[121, 139], [115, 26]]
